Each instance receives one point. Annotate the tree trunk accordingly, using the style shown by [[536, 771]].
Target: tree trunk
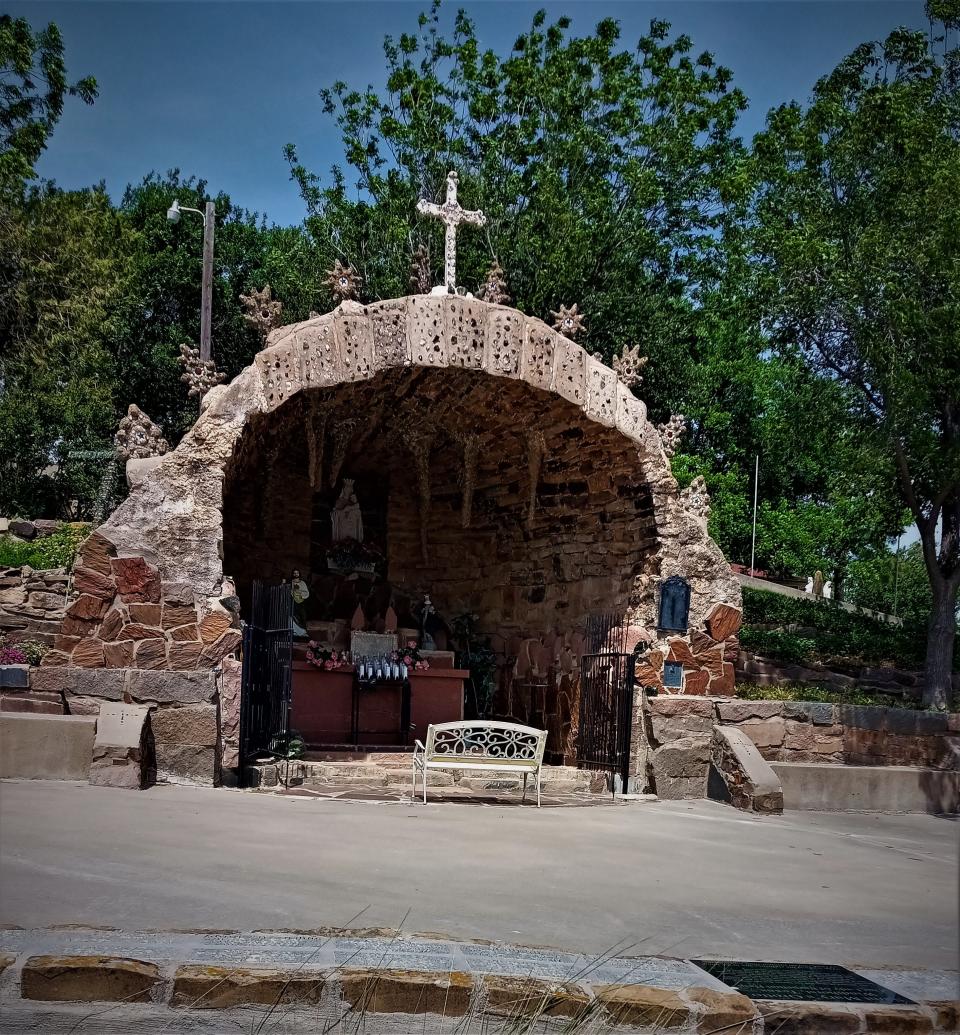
[[941, 632]]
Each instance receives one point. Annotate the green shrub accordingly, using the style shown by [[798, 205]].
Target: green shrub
[[51, 551], [814, 692], [830, 633]]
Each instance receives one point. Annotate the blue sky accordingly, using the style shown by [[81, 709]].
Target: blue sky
[[217, 89]]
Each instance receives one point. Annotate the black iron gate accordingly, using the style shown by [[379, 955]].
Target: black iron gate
[[606, 700], [267, 663]]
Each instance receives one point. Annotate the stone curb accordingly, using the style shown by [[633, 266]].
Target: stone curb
[[702, 1010]]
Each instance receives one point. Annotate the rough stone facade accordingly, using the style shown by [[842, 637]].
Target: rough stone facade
[[525, 485], [32, 604], [174, 521]]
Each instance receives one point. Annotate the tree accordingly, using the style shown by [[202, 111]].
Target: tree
[[602, 173], [59, 319], [894, 583], [857, 238], [33, 86]]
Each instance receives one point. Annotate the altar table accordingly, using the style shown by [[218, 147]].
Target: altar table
[[322, 706]]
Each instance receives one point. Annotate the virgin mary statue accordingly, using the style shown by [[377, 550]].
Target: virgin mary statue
[[346, 518]]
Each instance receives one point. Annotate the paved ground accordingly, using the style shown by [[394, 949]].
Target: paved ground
[[678, 879]]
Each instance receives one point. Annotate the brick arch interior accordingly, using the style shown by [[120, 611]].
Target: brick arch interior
[[561, 521]]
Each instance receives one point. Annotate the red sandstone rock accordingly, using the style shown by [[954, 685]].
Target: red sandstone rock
[[696, 682], [145, 614], [137, 581], [96, 553], [646, 675], [79, 627], [185, 655], [64, 643], [724, 683], [118, 654], [680, 651], [176, 615], [213, 626], [224, 645], [151, 654], [96, 583], [88, 606], [135, 631], [723, 621], [88, 653], [185, 632], [111, 625]]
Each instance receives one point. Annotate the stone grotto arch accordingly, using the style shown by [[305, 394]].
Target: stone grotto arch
[[530, 487]]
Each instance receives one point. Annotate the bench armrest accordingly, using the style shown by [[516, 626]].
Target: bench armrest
[[419, 748]]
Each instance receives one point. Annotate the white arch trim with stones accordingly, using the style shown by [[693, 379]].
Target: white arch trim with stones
[[173, 515]]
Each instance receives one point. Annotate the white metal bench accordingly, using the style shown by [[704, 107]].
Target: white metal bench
[[502, 746]]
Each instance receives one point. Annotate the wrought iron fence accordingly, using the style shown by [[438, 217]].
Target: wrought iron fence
[[267, 664], [606, 700]]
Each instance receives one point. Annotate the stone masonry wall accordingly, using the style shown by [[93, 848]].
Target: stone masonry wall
[[126, 616], [32, 604], [679, 731]]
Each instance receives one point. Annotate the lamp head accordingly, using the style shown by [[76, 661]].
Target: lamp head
[[173, 212]]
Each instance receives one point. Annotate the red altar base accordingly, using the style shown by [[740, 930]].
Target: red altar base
[[323, 703]]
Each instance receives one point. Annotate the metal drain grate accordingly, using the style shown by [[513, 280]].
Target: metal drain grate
[[814, 982]]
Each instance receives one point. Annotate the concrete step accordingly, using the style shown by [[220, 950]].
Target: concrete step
[[811, 786]]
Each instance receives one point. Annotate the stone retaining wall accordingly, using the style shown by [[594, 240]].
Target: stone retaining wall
[[679, 737], [184, 712], [752, 668], [32, 604]]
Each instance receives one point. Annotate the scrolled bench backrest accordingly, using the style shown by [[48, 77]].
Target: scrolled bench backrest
[[503, 743]]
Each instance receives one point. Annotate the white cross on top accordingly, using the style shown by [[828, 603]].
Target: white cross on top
[[452, 215]]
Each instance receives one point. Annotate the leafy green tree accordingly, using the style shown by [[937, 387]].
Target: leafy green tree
[[166, 290], [62, 311], [892, 583], [602, 172], [857, 238], [33, 87]]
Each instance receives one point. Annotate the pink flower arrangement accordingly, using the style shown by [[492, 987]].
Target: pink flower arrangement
[[12, 656], [410, 656], [323, 657]]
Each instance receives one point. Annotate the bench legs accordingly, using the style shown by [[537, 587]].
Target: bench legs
[[423, 777], [524, 798]]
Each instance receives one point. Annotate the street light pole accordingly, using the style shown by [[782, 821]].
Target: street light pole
[[206, 285], [206, 295]]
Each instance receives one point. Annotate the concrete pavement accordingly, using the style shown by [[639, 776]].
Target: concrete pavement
[[673, 878]]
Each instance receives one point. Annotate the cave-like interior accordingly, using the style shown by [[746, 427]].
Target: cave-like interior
[[496, 498]]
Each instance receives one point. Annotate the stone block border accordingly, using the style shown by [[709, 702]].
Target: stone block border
[[458, 996]]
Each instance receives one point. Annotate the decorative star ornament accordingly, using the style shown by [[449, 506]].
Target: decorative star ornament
[[200, 374], [343, 281], [671, 432], [629, 366], [262, 311], [494, 287], [568, 322], [138, 437]]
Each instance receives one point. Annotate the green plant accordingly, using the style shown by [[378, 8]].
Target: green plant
[[33, 650], [829, 632], [52, 551], [475, 653], [816, 692]]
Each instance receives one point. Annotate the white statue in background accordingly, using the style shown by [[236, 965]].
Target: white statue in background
[[346, 518], [828, 590]]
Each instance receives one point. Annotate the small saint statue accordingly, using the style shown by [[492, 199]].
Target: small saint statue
[[426, 632], [300, 591], [346, 518]]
